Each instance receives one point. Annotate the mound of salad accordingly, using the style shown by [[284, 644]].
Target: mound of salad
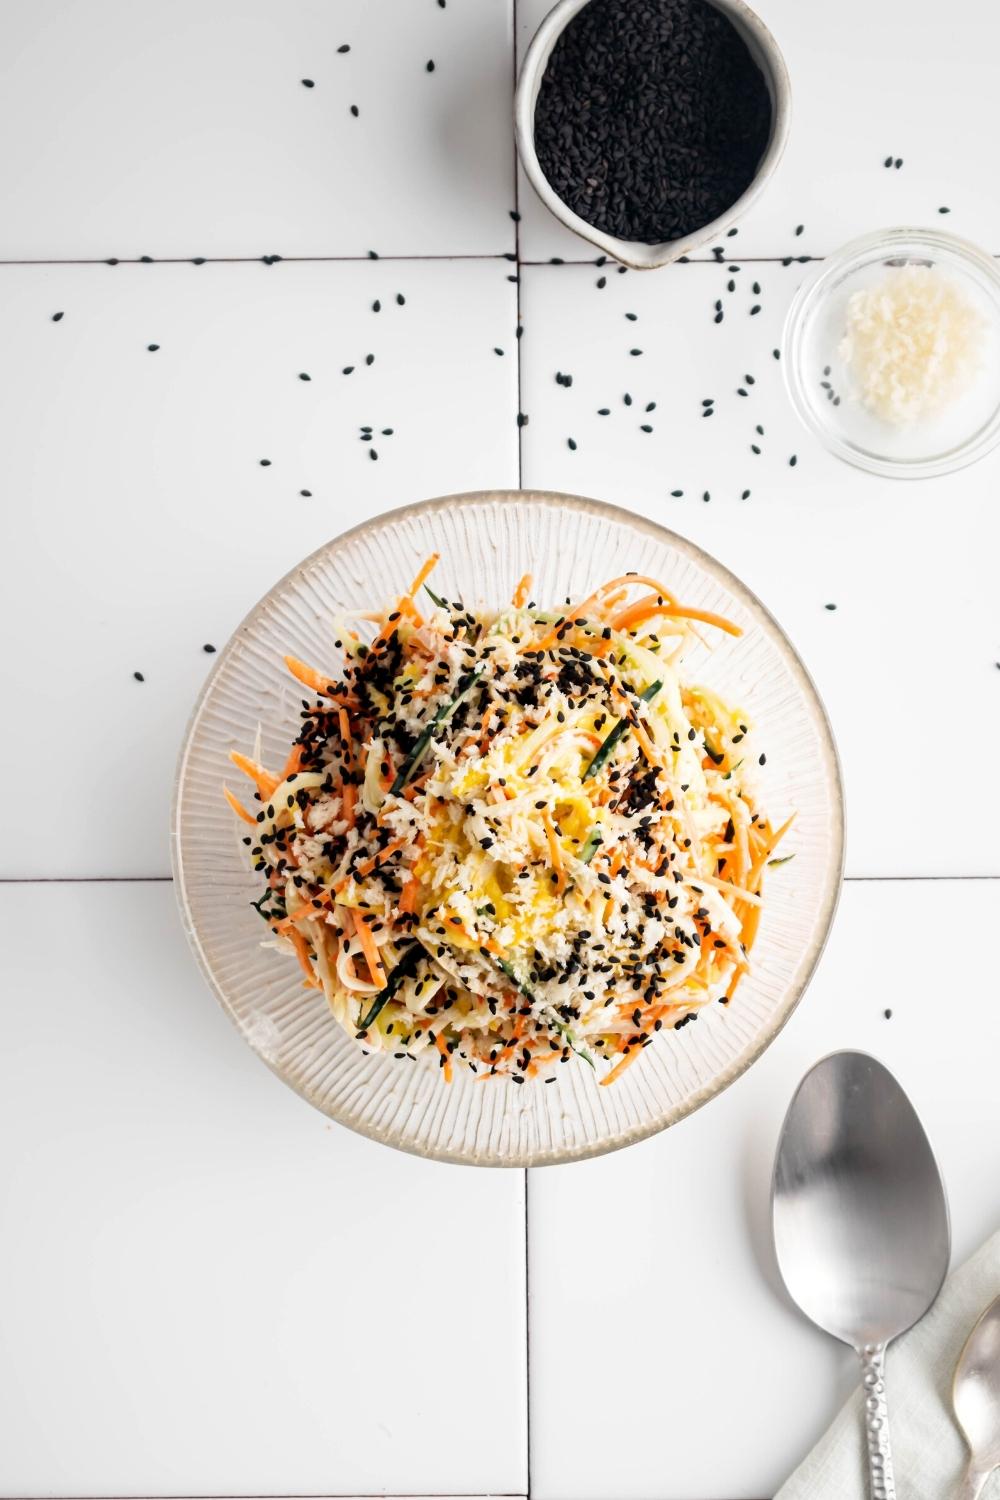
[[514, 839]]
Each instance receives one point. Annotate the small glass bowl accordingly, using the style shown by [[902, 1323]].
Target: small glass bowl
[[819, 383]]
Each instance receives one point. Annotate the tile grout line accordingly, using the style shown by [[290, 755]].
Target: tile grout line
[[518, 340], [518, 329]]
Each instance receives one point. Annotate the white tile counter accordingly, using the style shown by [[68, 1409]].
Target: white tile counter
[[209, 1289]]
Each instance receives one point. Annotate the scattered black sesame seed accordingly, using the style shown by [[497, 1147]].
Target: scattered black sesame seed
[[347, 370], [944, 210], [632, 317], [775, 353], [754, 448], [138, 677], [602, 282], [265, 463], [677, 494], [514, 215], [345, 47], [627, 399], [369, 359], [208, 648], [755, 309], [645, 427], [888, 1013], [152, 348], [706, 495], [304, 376], [522, 419], [373, 255], [829, 606], [198, 260], [635, 352], [376, 306], [111, 261], [307, 493], [571, 444], [372, 453], [762, 759], [718, 317], [898, 163], [604, 411], [430, 65], [58, 317], [745, 495], [793, 461], [355, 111], [799, 228]]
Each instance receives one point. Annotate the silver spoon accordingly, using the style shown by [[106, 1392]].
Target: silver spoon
[[860, 1221], [976, 1398]]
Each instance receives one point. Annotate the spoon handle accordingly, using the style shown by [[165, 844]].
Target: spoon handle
[[881, 1479]]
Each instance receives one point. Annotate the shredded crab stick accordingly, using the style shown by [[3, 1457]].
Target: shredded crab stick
[[516, 840]]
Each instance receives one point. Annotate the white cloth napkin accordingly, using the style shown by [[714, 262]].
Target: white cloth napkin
[[929, 1453]]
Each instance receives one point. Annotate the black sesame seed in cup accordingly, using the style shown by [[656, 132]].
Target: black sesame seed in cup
[[652, 117]]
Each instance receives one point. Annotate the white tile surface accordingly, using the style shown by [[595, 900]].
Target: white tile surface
[[141, 524], [868, 80], [654, 1302], [185, 129], [217, 1290], [909, 566]]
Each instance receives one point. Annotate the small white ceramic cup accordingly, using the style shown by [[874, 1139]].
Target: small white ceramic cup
[[765, 52]]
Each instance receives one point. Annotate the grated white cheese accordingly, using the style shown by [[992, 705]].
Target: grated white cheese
[[913, 344]]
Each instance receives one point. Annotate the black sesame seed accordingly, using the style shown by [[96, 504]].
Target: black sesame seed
[[307, 83], [208, 648], [793, 461], [138, 677], [355, 111], [152, 348], [304, 376], [265, 463], [57, 317], [571, 444], [430, 65], [345, 47]]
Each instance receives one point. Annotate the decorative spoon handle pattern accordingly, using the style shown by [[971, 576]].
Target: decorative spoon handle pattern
[[880, 1475]]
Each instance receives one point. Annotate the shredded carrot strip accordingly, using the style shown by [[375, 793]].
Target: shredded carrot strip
[[522, 591], [238, 808], [425, 573], [442, 1047], [408, 895], [348, 795], [707, 618], [302, 949], [293, 764], [266, 783], [309, 677], [370, 949], [371, 863], [619, 1068]]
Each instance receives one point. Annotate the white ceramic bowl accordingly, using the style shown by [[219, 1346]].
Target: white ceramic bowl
[[819, 383], [642, 257], [488, 540]]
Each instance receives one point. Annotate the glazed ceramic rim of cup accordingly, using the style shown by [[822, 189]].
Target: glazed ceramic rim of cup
[[634, 253]]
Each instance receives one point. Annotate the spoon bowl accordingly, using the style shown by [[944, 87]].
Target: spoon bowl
[[860, 1220], [976, 1398]]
